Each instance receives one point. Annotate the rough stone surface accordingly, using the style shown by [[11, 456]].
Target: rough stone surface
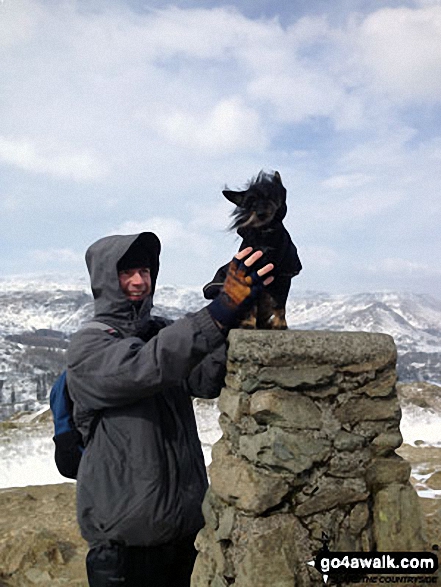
[[385, 443], [329, 499], [290, 378], [296, 347], [397, 519], [279, 449], [290, 410], [238, 482], [384, 471], [434, 481], [233, 403], [383, 386], [310, 422], [40, 543], [274, 554], [357, 410], [348, 442]]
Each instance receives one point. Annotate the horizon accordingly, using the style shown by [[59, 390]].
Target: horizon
[[81, 281]]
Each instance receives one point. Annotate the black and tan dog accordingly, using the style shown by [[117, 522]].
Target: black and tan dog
[[260, 210]]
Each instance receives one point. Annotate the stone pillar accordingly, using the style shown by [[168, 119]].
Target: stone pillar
[[310, 425]]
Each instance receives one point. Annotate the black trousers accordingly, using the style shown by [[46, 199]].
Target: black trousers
[[166, 565]]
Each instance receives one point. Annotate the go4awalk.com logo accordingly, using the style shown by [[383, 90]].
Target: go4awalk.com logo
[[353, 566]]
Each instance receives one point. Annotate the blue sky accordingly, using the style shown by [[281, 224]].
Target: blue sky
[[121, 116]]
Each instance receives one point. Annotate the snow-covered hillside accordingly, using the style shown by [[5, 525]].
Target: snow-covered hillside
[[38, 314]]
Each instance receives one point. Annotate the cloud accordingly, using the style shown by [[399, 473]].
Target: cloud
[[404, 267], [229, 126], [401, 48], [158, 108], [346, 181], [53, 159], [55, 257], [172, 233], [320, 257]]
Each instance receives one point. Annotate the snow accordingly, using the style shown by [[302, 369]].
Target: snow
[[27, 454], [421, 424]]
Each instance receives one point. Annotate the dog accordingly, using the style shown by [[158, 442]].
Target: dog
[[258, 219]]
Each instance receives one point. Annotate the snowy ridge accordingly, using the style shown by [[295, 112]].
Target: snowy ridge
[[46, 308]]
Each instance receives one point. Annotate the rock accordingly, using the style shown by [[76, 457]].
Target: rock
[[279, 449], [356, 410], [329, 498], [350, 442], [204, 568], [386, 442], [383, 386], [230, 430], [290, 378], [285, 409], [420, 394], [239, 483], [348, 464], [383, 472], [434, 481], [275, 553], [300, 347], [226, 524], [397, 519], [233, 403], [358, 518], [40, 543]]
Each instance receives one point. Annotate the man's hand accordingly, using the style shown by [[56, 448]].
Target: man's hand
[[242, 286]]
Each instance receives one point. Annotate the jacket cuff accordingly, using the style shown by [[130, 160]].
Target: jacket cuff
[[213, 333]]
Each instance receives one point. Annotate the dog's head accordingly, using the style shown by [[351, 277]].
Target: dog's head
[[263, 200]]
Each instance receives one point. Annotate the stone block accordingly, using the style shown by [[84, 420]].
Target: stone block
[[363, 409], [230, 431], [397, 519], [383, 471], [219, 581], [226, 524], [348, 465], [329, 498], [286, 409], [385, 443], [239, 483], [349, 442], [209, 510], [293, 348], [297, 378], [276, 553], [295, 452], [382, 386], [233, 403], [203, 570], [358, 518]]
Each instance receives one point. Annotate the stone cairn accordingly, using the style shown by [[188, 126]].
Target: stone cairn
[[310, 425]]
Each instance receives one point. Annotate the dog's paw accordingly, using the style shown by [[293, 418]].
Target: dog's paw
[[277, 320]]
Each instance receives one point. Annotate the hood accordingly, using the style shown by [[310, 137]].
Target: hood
[[111, 304]]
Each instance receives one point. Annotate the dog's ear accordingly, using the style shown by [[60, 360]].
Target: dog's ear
[[234, 197], [277, 177]]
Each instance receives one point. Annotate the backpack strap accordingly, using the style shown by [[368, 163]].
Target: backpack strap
[[95, 417]]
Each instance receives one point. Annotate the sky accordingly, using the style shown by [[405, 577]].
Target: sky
[[123, 116]]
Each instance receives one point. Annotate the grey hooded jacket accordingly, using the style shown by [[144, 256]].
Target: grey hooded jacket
[[142, 476]]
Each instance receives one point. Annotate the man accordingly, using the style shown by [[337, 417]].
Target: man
[[142, 477]]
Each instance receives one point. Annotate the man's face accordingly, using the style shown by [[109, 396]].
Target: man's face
[[135, 283]]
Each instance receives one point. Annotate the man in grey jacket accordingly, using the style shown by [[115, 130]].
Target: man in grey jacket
[[142, 477]]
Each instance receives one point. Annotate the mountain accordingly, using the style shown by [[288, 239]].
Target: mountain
[[39, 313]]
